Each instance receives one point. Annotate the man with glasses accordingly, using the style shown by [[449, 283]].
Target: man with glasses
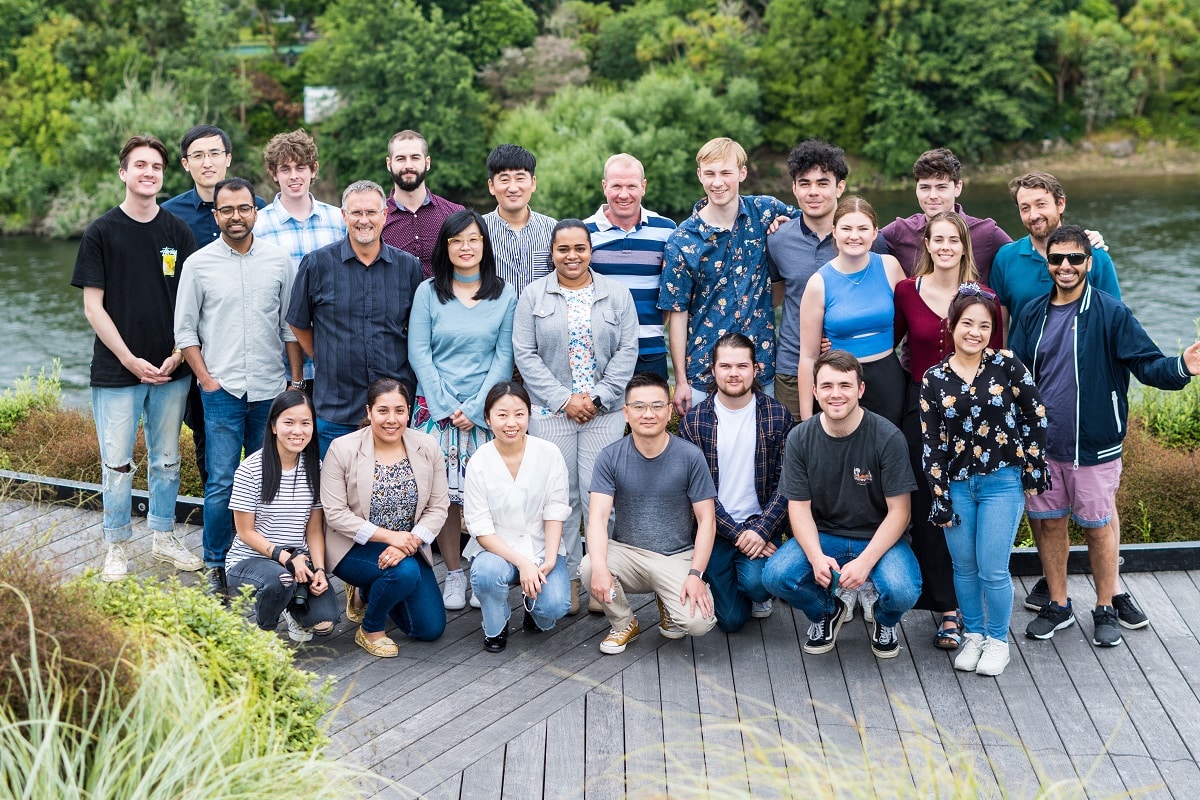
[[230, 324], [414, 214], [349, 311], [664, 498], [1081, 345]]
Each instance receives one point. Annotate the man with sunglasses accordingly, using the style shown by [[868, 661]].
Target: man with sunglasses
[[230, 325], [1081, 345]]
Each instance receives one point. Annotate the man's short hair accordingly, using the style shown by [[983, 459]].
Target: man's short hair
[[285, 148], [1069, 234], [409, 135], [721, 149], [232, 185], [203, 132], [840, 361], [1037, 180], [643, 380], [815, 153], [510, 157], [143, 140], [623, 159], [734, 340], [362, 187], [938, 163]]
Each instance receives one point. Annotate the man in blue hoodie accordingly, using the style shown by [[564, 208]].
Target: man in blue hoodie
[[1082, 344]]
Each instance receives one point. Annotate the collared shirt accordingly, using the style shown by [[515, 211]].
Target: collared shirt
[[635, 258], [417, 231], [358, 314], [720, 278], [299, 237], [233, 307], [772, 424], [906, 237], [198, 214], [1020, 275], [522, 256]]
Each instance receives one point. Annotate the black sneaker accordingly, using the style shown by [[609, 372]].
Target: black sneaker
[[1128, 613], [1039, 598], [1107, 632], [822, 634], [1050, 619], [529, 624], [496, 644], [885, 643], [216, 584]]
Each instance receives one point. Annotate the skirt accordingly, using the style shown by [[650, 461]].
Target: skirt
[[457, 446]]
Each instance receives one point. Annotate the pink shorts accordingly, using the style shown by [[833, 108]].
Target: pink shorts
[[1088, 494]]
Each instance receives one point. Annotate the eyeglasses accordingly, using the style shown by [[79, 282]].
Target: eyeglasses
[[975, 290], [657, 406], [209, 155], [363, 214], [1076, 259], [473, 240], [229, 211]]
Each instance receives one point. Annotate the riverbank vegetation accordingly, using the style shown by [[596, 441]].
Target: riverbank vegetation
[[577, 80]]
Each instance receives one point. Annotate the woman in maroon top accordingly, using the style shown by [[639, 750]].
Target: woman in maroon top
[[922, 305]]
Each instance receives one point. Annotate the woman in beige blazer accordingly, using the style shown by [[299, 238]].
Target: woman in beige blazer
[[383, 488]]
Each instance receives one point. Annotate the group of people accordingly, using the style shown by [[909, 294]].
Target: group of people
[[406, 368]]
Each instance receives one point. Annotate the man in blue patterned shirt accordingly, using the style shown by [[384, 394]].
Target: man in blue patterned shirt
[[715, 277]]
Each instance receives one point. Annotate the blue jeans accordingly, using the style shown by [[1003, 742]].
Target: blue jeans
[[897, 577], [274, 587], [407, 591], [491, 577], [117, 411], [231, 424], [328, 431], [989, 508], [736, 581]]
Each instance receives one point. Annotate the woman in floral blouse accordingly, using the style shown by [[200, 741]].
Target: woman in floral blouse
[[984, 431]]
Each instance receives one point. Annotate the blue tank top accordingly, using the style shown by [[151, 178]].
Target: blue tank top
[[859, 309]]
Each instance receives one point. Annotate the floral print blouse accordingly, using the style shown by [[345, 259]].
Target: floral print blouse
[[580, 349], [994, 422]]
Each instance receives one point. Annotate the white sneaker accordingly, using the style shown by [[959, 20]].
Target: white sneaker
[[849, 599], [868, 596], [168, 548], [454, 592], [116, 563], [995, 657], [968, 657], [475, 601], [296, 631], [762, 610]]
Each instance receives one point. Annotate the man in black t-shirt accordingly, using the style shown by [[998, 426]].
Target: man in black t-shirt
[[128, 266], [847, 479]]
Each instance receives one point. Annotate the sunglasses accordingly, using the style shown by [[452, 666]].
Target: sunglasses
[[1076, 259]]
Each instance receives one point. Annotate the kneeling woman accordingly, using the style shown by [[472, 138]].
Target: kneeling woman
[[384, 493], [515, 501], [984, 431], [276, 513]]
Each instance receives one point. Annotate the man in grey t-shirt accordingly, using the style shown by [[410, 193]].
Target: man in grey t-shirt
[[847, 479], [657, 483]]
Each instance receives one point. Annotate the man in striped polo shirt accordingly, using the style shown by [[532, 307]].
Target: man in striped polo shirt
[[627, 244], [520, 235]]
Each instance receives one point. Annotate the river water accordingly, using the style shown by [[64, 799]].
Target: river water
[[1152, 227]]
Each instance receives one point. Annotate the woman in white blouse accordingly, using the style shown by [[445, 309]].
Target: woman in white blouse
[[515, 501]]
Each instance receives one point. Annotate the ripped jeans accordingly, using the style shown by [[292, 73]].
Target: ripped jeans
[[117, 412]]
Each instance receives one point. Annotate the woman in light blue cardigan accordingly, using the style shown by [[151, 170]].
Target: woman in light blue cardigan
[[459, 346], [575, 341]]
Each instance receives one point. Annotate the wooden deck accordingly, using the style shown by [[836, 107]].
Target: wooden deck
[[746, 714]]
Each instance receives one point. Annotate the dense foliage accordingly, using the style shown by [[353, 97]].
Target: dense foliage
[[886, 79]]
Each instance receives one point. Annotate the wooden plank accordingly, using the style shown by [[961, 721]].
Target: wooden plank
[[762, 742], [724, 759], [484, 778], [604, 738], [565, 751], [645, 765], [450, 790], [681, 713], [525, 764]]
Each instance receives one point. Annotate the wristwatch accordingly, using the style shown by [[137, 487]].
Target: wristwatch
[[599, 405], [296, 384], [697, 573]]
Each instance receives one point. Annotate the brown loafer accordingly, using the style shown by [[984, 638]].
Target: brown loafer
[[354, 611], [380, 648]]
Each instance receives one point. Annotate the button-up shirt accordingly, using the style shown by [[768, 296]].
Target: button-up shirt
[[417, 231], [198, 214], [233, 307], [299, 237], [720, 277], [522, 256], [358, 314]]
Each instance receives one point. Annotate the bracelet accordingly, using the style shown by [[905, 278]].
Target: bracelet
[[275, 553], [296, 384], [697, 573]]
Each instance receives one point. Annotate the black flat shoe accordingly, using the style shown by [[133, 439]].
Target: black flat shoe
[[530, 625], [496, 644]]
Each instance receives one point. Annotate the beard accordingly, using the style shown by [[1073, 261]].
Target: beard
[[407, 181]]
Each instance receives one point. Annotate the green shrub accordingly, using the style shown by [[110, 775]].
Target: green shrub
[[235, 659], [31, 392], [1159, 498], [1172, 417]]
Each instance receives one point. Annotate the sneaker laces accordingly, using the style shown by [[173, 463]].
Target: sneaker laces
[[816, 630], [887, 634]]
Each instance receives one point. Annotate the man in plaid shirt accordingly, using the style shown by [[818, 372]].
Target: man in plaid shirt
[[741, 432]]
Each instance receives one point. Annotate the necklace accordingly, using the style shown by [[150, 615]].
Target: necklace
[[466, 279], [862, 273]]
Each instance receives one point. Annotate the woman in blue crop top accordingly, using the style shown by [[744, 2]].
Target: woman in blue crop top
[[850, 302]]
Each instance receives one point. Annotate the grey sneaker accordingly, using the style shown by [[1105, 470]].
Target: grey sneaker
[[822, 634], [972, 649], [1129, 614], [868, 596], [1050, 619], [1039, 598], [454, 592], [1107, 632], [994, 659], [762, 610], [850, 599], [116, 563], [167, 547], [296, 631]]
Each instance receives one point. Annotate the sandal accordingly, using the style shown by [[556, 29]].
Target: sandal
[[949, 638]]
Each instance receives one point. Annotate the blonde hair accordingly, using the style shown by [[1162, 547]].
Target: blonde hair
[[855, 204], [721, 149]]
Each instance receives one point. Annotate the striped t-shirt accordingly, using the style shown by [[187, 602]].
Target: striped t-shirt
[[635, 258], [522, 256], [282, 521]]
